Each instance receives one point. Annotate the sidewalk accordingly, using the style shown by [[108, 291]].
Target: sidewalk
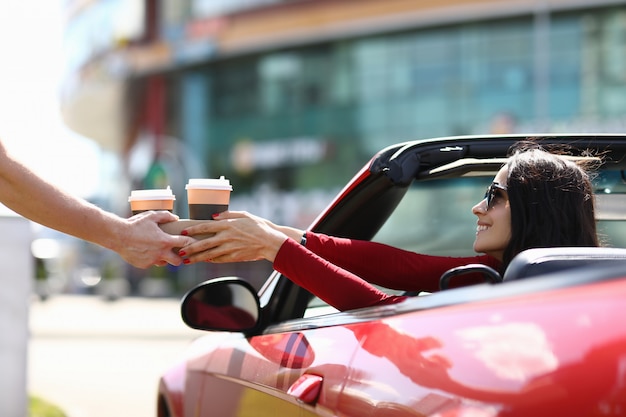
[[97, 358], [84, 315]]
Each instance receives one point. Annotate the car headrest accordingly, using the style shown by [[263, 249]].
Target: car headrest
[[534, 262]]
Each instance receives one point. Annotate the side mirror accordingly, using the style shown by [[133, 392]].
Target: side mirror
[[223, 304]]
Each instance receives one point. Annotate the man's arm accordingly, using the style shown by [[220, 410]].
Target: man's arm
[[138, 240]]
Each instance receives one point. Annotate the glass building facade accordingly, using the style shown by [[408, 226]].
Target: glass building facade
[[352, 97]]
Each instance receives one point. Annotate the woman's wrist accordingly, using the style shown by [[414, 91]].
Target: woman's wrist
[[274, 243], [291, 232]]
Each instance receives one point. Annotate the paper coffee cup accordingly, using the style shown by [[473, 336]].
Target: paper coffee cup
[[158, 199], [207, 196]]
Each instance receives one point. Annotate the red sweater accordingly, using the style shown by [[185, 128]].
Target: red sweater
[[340, 271]]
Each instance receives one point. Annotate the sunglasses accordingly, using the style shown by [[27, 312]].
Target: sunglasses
[[492, 192]]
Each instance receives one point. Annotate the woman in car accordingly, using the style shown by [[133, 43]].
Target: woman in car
[[537, 199]]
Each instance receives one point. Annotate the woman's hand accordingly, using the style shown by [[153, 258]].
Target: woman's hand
[[234, 236]]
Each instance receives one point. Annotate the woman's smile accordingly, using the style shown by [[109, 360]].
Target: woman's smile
[[493, 229]]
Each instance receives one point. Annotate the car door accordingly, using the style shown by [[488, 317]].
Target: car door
[[253, 376], [541, 347]]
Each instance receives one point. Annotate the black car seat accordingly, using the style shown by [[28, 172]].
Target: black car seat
[[534, 262]]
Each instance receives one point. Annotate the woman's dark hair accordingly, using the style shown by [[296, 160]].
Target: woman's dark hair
[[551, 200]]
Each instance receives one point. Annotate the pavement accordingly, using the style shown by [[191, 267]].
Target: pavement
[[75, 315], [96, 358]]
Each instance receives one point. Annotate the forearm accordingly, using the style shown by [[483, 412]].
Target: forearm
[[393, 267], [336, 286], [40, 201], [81, 219], [138, 240]]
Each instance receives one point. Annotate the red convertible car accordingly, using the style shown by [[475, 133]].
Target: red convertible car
[[548, 338]]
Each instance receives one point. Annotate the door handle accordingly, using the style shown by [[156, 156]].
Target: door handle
[[307, 388]]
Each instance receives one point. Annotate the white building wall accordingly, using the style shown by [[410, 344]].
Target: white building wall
[[16, 276]]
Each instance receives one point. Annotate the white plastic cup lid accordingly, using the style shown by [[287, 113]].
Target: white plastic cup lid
[[220, 183], [156, 194]]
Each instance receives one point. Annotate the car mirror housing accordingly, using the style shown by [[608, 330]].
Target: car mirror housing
[[223, 304]]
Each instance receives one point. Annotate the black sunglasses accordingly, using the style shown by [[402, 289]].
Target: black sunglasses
[[492, 192]]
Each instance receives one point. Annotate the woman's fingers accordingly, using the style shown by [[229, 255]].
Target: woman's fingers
[[240, 237]]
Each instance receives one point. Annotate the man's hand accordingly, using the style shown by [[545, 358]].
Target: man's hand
[[145, 244]]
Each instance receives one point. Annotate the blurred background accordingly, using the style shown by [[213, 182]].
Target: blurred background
[[288, 99]]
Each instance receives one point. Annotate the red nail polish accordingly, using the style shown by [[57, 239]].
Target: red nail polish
[[186, 261], [182, 253], [214, 215], [184, 233]]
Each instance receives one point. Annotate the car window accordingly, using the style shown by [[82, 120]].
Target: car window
[[317, 307], [610, 189], [435, 217]]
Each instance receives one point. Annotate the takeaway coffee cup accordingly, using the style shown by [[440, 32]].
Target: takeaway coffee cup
[[207, 196], [158, 199]]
